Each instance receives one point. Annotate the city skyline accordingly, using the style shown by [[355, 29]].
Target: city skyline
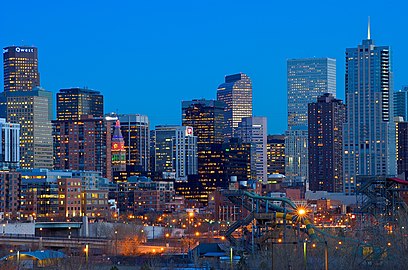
[[170, 61]]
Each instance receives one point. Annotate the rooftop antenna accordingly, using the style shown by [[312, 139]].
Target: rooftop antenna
[[368, 29]]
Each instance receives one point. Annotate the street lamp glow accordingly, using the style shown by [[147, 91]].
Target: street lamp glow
[[301, 211]]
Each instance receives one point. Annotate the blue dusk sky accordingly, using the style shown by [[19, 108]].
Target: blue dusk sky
[[148, 56]]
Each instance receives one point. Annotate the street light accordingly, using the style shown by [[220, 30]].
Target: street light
[[305, 253], [86, 249], [326, 256], [301, 212], [116, 242]]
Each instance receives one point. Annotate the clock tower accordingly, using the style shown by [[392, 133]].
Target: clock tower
[[118, 150]]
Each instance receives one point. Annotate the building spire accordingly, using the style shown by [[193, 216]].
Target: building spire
[[368, 29]]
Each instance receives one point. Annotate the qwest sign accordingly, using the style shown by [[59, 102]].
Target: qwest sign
[[18, 49]]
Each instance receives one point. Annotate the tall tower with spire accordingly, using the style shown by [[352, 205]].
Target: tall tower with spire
[[369, 132], [118, 150]]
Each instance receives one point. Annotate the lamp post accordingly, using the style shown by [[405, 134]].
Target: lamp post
[[86, 254], [191, 217], [18, 259], [305, 253], [326, 256], [116, 243]]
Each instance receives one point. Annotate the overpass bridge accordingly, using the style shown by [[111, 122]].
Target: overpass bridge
[[55, 242]]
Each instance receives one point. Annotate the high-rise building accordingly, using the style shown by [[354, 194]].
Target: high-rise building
[[20, 66], [325, 120], [118, 150], [275, 149], [237, 160], [401, 103], [402, 147], [296, 156], [83, 145], [74, 102], [253, 130], [236, 93], [206, 117], [136, 134], [307, 79], [10, 145], [175, 151], [369, 131], [31, 109]]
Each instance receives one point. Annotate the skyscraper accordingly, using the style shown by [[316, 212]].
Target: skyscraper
[[20, 68], [402, 147], [369, 131], [275, 149], [136, 134], [307, 79], [24, 103], [74, 102], [31, 110], [236, 93], [10, 145], [237, 160], [118, 150], [206, 117], [325, 120], [252, 130], [175, 150], [83, 145], [401, 103]]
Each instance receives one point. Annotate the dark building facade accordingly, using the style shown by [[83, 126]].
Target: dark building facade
[[275, 149], [237, 160], [83, 145], [402, 148], [74, 102], [10, 190], [39, 198], [206, 117], [136, 135], [140, 195], [401, 103], [325, 129], [20, 66]]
